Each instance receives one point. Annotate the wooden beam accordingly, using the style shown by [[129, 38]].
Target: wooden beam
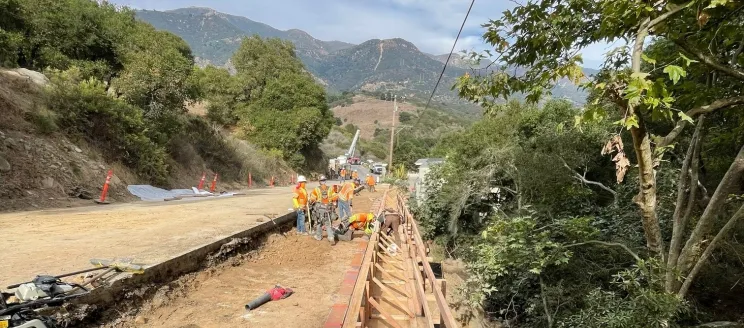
[[389, 274], [393, 299], [385, 315]]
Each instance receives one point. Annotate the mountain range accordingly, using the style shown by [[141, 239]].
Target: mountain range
[[392, 65]]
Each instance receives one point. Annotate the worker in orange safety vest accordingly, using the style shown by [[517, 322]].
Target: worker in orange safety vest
[[354, 175], [323, 197], [300, 203], [342, 175], [371, 183], [359, 221], [345, 197]]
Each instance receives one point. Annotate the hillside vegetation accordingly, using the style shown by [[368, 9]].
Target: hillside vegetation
[[122, 87], [626, 213]]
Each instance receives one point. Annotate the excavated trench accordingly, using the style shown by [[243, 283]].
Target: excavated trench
[[123, 302]]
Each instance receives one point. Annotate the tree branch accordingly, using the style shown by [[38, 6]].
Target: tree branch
[[730, 180], [604, 243], [710, 61], [714, 106], [545, 303], [583, 179], [684, 200], [667, 14], [708, 250]]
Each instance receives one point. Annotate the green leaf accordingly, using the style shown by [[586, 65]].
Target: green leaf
[[638, 75], [688, 61], [685, 117], [675, 73], [535, 270], [648, 59], [600, 85], [630, 121], [716, 3]]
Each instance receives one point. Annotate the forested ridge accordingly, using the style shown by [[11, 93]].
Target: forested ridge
[[624, 213], [126, 87]]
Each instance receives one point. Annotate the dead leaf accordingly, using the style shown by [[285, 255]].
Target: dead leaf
[[615, 144]]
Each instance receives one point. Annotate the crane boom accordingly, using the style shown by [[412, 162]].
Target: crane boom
[[352, 148]]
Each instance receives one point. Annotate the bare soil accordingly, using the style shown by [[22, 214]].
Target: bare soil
[[58, 241], [216, 297]]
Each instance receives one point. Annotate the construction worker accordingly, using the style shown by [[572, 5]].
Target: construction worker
[[300, 203], [322, 197], [359, 221], [345, 196], [343, 175], [371, 183], [391, 221]]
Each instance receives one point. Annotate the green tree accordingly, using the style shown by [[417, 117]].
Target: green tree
[[543, 37]]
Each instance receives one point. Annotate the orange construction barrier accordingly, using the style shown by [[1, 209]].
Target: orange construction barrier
[[201, 182], [250, 180], [104, 192], [214, 184]]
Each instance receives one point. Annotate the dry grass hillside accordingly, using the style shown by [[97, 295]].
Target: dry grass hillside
[[369, 113]]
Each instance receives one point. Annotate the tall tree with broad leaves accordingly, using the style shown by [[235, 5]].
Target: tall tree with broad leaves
[[545, 37]]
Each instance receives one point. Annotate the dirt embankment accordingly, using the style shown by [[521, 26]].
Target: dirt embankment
[[43, 167]]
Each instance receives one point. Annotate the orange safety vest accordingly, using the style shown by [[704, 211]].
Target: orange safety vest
[[343, 172], [325, 195], [360, 221], [354, 175], [370, 180], [347, 191], [300, 197]]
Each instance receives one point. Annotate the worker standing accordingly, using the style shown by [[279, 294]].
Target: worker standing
[[359, 221], [300, 203], [322, 197], [371, 183], [345, 196], [343, 175], [354, 175]]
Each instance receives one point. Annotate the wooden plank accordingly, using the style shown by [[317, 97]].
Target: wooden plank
[[385, 315], [389, 274], [393, 299], [448, 319]]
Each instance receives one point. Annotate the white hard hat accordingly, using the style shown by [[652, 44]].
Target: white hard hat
[[322, 178], [301, 178]]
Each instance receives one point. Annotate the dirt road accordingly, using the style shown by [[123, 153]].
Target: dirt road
[[58, 241]]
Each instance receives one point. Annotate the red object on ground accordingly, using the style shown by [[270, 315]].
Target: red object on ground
[[214, 183], [250, 180], [278, 293], [106, 186], [201, 182]]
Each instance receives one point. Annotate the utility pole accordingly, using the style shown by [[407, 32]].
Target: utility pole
[[392, 134]]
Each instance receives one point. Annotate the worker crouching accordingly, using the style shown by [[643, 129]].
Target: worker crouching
[[356, 222]]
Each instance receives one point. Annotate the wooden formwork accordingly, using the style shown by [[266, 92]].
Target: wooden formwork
[[398, 289]]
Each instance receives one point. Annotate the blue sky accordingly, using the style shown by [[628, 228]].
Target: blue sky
[[430, 24]]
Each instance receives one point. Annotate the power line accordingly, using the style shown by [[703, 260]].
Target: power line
[[450, 55]]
